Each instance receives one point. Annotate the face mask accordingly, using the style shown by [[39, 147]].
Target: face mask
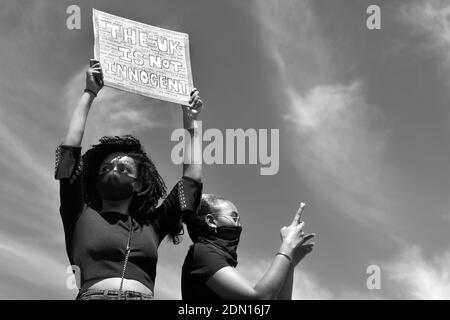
[[227, 238], [113, 186], [229, 233]]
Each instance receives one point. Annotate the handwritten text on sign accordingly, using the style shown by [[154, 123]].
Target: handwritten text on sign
[[143, 59]]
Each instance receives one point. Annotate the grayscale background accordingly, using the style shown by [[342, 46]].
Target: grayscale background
[[364, 125]]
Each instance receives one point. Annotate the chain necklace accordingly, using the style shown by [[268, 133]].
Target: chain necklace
[[128, 249]]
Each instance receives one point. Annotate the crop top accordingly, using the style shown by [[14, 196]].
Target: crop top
[[96, 242]]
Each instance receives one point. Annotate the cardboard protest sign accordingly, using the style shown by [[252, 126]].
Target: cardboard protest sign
[[143, 59]]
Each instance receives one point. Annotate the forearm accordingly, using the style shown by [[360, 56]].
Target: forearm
[[77, 124], [286, 290], [192, 166], [271, 283]]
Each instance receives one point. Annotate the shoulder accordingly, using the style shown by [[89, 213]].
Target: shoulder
[[200, 247], [206, 251]]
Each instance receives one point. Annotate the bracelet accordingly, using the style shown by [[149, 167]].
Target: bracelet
[[284, 254], [89, 90]]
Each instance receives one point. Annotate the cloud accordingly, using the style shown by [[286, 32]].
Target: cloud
[[30, 232], [28, 192], [307, 287], [339, 148], [31, 271], [432, 19], [419, 277], [339, 141], [290, 33]]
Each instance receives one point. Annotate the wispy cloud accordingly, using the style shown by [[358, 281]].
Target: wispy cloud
[[418, 276], [289, 33], [339, 147], [338, 150], [30, 232], [32, 271], [432, 19], [32, 252]]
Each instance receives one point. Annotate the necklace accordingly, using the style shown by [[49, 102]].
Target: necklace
[[127, 253]]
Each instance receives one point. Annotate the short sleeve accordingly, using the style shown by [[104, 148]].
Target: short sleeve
[[68, 170], [184, 199], [206, 261]]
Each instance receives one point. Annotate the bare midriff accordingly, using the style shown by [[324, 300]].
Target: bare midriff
[[114, 284]]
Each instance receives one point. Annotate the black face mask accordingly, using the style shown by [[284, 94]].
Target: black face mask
[[113, 186], [226, 238]]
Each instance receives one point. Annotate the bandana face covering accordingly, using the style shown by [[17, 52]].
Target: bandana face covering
[[226, 238], [113, 186]]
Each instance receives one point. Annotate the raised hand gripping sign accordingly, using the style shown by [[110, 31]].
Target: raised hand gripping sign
[[143, 59]]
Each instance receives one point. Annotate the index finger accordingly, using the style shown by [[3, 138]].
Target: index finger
[[298, 214]]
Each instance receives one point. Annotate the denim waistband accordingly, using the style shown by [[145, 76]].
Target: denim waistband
[[104, 294]]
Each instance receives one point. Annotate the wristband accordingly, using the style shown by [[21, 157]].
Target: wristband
[[284, 254], [89, 90]]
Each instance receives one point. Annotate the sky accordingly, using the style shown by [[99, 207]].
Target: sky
[[362, 114]]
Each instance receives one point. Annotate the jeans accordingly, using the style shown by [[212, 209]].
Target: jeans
[[95, 294]]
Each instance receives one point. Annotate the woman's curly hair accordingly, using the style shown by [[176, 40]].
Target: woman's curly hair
[[144, 203]]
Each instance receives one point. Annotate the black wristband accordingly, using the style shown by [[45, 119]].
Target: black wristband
[[89, 90]]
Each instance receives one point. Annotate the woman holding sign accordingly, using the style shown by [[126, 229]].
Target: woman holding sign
[[109, 199], [209, 268]]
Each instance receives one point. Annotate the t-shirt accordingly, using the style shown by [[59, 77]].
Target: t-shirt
[[96, 242], [202, 261]]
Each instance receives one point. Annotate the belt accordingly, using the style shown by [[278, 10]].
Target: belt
[[97, 294]]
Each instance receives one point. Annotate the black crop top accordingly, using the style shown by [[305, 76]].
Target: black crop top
[[96, 242]]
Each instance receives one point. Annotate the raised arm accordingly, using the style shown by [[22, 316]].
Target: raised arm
[[230, 284], [192, 166], [94, 82], [185, 196], [69, 166], [286, 290]]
